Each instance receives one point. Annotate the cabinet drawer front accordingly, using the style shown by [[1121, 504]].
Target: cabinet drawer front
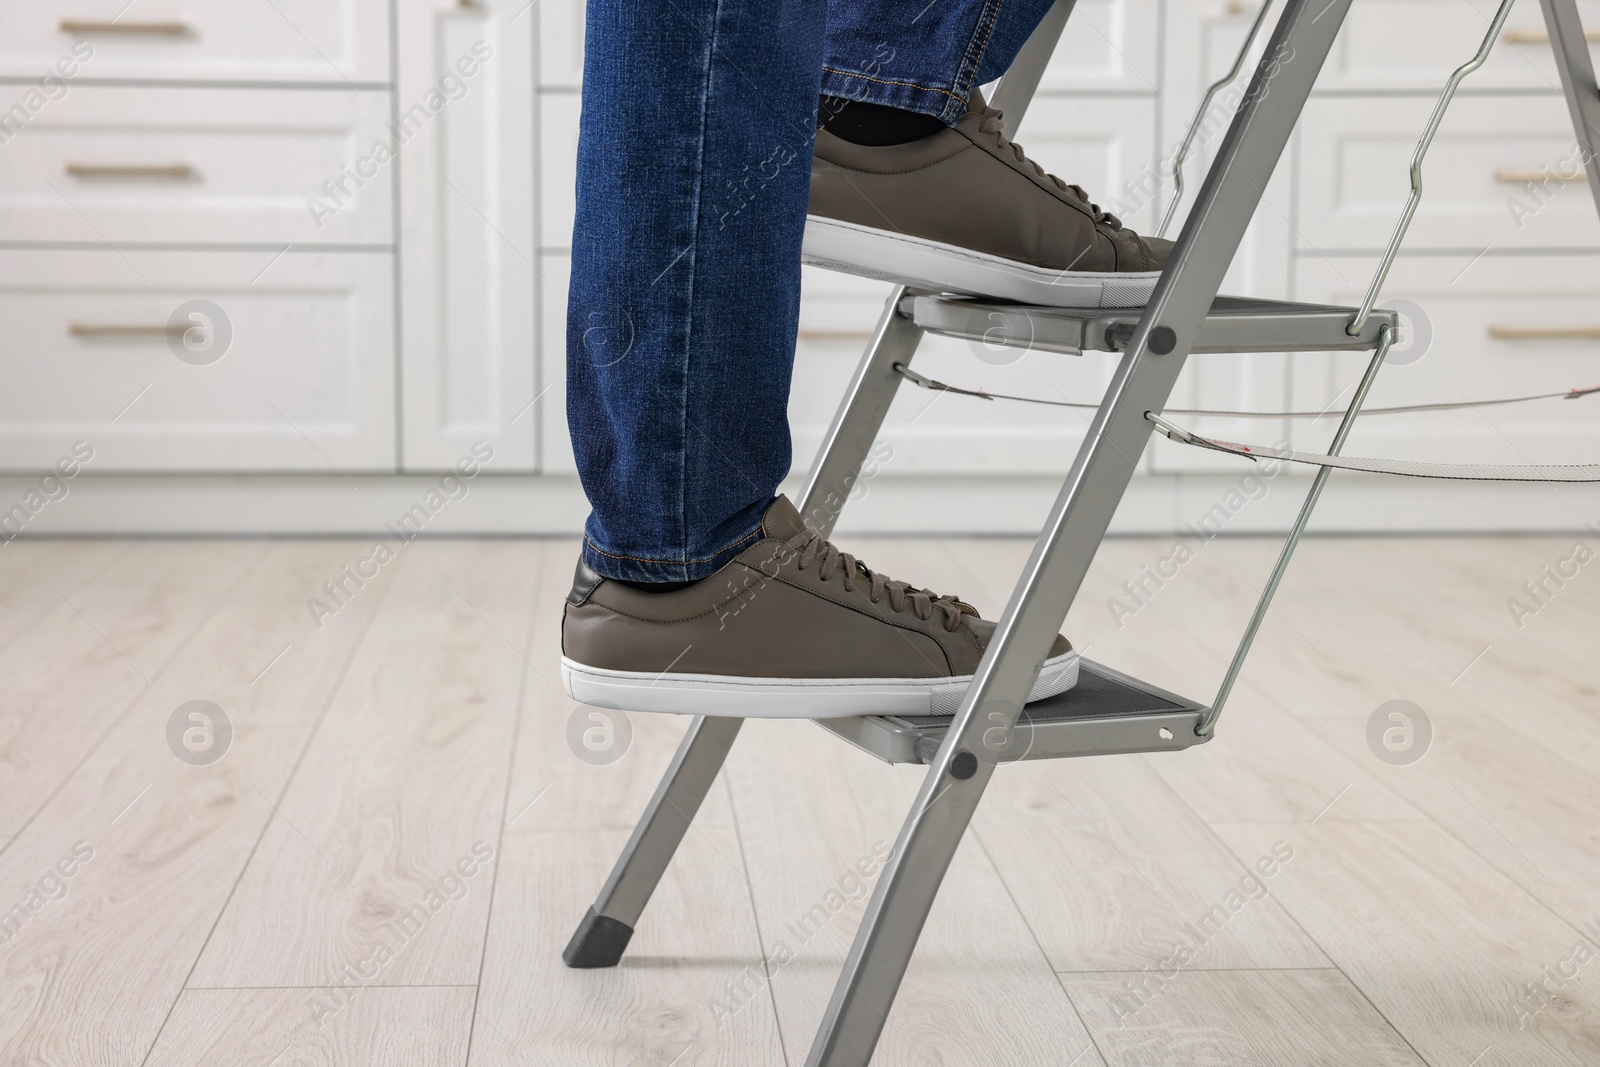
[[1416, 44], [1356, 158], [1108, 44], [205, 166], [294, 372], [338, 42], [1505, 325]]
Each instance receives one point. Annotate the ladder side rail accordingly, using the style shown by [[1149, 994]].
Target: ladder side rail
[[1200, 114], [1021, 81], [1578, 80], [603, 934], [1105, 464], [860, 416]]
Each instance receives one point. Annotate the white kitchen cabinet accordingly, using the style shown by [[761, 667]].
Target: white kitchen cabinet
[[1407, 45], [555, 447], [287, 367], [1108, 46], [1355, 174], [469, 288], [200, 166], [561, 26], [339, 42], [1500, 325], [558, 168]]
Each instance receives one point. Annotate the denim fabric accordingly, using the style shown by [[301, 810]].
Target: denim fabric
[[694, 169], [923, 55]]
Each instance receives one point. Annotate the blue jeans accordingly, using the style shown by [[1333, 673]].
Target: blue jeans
[[694, 169]]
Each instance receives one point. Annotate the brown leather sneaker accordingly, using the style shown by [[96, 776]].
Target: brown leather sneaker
[[965, 211], [791, 628]]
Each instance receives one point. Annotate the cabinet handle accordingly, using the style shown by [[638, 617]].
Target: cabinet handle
[[1545, 333], [118, 329], [1521, 175], [144, 29], [169, 171], [1541, 37]]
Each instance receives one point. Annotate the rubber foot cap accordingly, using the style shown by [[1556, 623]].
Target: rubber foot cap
[[598, 942]]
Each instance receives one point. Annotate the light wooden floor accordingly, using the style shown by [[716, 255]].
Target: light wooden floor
[[294, 903]]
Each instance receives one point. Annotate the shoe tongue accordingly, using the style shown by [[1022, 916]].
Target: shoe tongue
[[782, 520], [975, 102]]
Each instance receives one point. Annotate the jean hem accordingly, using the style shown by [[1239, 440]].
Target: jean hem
[[631, 568], [942, 104]]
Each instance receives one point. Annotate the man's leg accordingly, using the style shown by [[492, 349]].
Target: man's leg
[[693, 171], [915, 178], [698, 592]]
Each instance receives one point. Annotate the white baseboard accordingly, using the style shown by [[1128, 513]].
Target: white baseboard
[[508, 505]]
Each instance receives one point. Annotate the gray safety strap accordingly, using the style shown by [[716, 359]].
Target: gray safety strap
[[1468, 472], [923, 382]]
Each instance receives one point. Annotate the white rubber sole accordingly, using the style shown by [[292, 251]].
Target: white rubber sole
[[915, 261], [789, 698]]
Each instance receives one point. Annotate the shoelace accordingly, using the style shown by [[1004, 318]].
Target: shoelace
[[993, 121], [812, 546]]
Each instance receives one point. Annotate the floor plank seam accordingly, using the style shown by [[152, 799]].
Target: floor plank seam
[[1288, 911], [529, 630], [1292, 917], [1037, 943], [266, 823], [156, 676], [755, 914]]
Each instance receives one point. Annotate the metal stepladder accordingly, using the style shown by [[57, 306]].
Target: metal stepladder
[[1107, 712]]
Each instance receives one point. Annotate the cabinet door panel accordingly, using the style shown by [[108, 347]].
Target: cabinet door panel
[[1107, 45], [468, 274]]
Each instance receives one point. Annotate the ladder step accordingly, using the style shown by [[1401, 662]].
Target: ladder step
[[1105, 713], [1235, 324]]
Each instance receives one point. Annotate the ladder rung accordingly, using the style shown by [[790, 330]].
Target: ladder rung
[[1105, 713], [1235, 324]]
